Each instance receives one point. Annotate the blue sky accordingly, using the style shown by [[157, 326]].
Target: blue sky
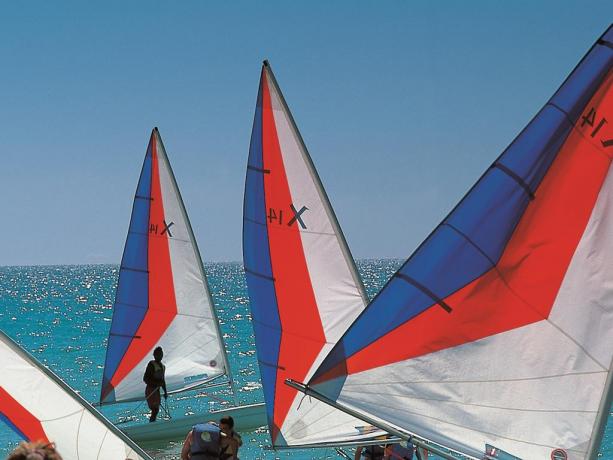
[[402, 106]]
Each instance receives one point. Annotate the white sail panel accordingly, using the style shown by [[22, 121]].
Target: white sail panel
[[38, 406]]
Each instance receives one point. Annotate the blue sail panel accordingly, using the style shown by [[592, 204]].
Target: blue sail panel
[[132, 295], [258, 268]]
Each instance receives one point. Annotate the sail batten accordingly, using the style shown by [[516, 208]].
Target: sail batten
[[162, 297], [519, 359], [303, 285]]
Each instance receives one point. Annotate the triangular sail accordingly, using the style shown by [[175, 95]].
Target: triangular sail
[[162, 296], [303, 286], [38, 406], [498, 329]]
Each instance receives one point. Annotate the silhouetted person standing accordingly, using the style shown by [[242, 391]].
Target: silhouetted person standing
[[154, 379]]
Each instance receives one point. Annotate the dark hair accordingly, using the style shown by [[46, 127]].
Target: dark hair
[[228, 420], [158, 350], [43, 450]]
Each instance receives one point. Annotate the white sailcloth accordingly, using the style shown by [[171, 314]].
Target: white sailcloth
[[39, 406]]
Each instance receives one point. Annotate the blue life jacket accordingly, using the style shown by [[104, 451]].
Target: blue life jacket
[[404, 453], [206, 443]]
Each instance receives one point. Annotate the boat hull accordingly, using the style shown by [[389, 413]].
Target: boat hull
[[246, 418]]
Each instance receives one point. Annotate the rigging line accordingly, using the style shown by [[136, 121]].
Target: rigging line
[[475, 381], [553, 411]]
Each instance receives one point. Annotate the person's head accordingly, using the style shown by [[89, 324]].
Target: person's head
[[34, 451], [226, 424], [158, 354]]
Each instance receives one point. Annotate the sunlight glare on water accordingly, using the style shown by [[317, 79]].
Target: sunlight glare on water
[[62, 315]]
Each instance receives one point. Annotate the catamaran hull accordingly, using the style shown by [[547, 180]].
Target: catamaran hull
[[246, 418]]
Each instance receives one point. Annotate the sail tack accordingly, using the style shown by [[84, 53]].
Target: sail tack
[[162, 296], [498, 329], [303, 286], [38, 406]]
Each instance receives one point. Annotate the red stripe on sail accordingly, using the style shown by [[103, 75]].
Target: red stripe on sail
[[523, 286], [302, 335], [21, 418], [162, 307]]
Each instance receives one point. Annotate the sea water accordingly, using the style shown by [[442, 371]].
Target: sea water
[[62, 315]]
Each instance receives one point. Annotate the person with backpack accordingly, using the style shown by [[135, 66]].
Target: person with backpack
[[203, 442]]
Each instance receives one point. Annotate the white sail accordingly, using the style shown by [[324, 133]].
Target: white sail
[[37, 405], [303, 285], [162, 295], [498, 330]]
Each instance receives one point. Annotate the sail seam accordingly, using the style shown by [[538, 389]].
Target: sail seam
[[425, 290], [446, 421], [285, 331], [150, 235], [142, 197], [280, 227], [475, 405], [526, 379], [160, 309], [134, 269], [513, 175], [463, 235]]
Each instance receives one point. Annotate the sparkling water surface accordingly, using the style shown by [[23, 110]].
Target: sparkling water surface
[[62, 315]]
